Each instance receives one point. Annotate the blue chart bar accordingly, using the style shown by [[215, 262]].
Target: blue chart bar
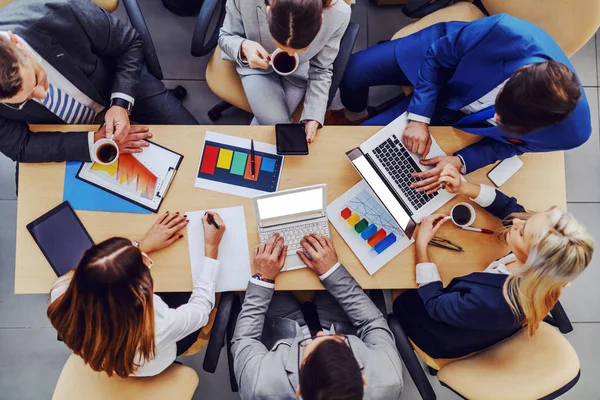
[[385, 243], [370, 231]]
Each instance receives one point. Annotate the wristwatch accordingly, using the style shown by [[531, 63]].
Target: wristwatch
[[260, 278], [119, 102]]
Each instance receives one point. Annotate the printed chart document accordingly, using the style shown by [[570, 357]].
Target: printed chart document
[[367, 227], [225, 166], [234, 258], [142, 178]]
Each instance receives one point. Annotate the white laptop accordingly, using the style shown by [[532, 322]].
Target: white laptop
[[386, 165], [293, 214]]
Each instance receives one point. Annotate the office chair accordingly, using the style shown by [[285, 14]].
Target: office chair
[[79, 381], [571, 23], [221, 75], [544, 366]]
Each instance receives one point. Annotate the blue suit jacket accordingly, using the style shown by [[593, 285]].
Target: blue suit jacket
[[453, 64], [468, 315]]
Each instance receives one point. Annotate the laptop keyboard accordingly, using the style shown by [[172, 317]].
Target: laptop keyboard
[[400, 165], [294, 234]]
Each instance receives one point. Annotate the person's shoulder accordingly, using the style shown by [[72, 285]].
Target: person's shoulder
[[60, 286], [338, 10]]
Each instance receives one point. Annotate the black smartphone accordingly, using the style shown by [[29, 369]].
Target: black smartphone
[[291, 140]]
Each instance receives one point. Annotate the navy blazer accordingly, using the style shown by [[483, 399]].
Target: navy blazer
[[452, 64], [468, 315]]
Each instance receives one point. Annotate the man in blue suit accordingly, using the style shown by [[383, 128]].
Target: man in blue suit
[[499, 77]]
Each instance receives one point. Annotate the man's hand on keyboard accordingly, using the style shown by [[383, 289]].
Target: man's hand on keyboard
[[321, 251], [430, 179], [269, 257], [416, 138]]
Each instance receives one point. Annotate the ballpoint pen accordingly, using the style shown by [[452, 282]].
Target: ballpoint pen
[[482, 230], [212, 221], [252, 157]]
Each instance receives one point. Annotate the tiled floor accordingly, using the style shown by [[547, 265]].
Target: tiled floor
[[30, 356]]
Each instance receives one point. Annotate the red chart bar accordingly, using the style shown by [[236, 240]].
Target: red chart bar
[[209, 160]]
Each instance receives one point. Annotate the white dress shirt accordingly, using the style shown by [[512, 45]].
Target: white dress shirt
[[59, 81], [428, 272], [171, 324]]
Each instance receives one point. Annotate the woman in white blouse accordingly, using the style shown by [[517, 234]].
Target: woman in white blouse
[[547, 250], [106, 311]]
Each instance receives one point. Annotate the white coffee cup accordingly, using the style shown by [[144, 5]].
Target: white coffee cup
[[471, 210], [103, 148], [274, 56]]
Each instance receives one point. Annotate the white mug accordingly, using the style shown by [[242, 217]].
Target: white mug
[[99, 146], [296, 58], [471, 209]]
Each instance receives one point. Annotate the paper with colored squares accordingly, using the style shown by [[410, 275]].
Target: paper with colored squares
[[225, 166], [367, 227], [141, 178]]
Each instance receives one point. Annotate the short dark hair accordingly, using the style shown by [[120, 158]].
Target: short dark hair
[[10, 69], [537, 95], [330, 372], [295, 23]]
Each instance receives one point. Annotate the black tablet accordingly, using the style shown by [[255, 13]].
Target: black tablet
[[61, 237], [291, 140]]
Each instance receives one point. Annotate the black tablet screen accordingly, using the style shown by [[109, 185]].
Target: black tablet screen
[[61, 237]]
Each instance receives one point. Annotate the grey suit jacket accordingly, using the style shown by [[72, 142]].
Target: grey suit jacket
[[247, 19], [95, 51], [273, 374]]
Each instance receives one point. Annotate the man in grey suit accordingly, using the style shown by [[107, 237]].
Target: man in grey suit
[[70, 61], [274, 355]]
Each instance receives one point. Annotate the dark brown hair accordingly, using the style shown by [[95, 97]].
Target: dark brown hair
[[330, 372], [11, 61], [536, 96], [106, 315], [295, 23]]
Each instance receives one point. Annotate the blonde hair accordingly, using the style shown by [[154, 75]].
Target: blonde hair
[[557, 256]]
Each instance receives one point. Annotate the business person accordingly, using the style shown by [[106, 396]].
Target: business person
[[106, 310], [276, 358], [70, 62], [547, 251], [499, 77], [313, 29]]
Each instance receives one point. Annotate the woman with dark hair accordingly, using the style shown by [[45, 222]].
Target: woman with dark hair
[[312, 29], [105, 310]]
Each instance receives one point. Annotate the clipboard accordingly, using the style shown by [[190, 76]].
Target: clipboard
[[141, 178]]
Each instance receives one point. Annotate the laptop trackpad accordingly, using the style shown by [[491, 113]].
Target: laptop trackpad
[[292, 262]]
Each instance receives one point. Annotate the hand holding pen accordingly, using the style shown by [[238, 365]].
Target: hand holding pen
[[214, 228]]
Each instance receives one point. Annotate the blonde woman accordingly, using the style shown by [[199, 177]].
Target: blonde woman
[[548, 250]]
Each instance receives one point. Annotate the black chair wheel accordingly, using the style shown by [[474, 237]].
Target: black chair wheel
[[179, 92], [214, 115]]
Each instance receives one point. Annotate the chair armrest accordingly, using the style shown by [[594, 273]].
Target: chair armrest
[[199, 47], [561, 319], [139, 24], [217, 334], [420, 8], [341, 61], [410, 360], [235, 312]]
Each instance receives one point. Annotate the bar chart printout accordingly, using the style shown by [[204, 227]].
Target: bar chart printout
[[226, 166], [367, 227]]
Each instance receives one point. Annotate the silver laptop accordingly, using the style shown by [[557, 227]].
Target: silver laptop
[[293, 214], [387, 166]]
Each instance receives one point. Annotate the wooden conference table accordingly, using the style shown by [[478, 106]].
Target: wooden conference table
[[538, 185]]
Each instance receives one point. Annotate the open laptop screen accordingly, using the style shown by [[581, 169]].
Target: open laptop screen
[[286, 204]]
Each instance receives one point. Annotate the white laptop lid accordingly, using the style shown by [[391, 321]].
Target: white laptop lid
[[291, 205]]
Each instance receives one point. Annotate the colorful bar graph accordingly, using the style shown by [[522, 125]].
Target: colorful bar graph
[[248, 173], [378, 239], [238, 164], [268, 165], [209, 160]]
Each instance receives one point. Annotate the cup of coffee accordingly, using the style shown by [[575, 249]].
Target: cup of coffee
[[105, 151], [283, 63], [462, 214]]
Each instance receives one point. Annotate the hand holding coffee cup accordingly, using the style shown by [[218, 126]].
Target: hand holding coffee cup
[[283, 63], [255, 54], [103, 150]]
